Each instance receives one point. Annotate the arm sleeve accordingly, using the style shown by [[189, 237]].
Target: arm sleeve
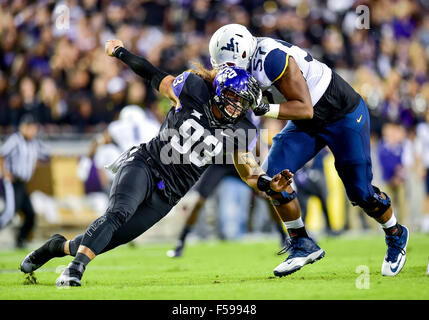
[[275, 64], [142, 67]]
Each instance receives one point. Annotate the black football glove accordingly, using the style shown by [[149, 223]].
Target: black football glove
[[261, 109]]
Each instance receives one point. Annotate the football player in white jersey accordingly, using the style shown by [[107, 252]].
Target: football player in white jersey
[[324, 111], [133, 127]]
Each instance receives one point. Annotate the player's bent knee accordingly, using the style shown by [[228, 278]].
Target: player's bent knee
[[118, 217], [376, 205]]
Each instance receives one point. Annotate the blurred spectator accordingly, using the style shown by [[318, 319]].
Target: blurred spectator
[[83, 118], [423, 156], [395, 154], [116, 90], [173, 34]]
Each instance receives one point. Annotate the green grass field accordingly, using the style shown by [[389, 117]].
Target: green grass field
[[228, 271]]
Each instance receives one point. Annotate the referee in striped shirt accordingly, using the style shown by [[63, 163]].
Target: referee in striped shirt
[[18, 159]]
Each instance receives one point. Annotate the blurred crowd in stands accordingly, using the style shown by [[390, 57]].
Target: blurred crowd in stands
[[53, 63]]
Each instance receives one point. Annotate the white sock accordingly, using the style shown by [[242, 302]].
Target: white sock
[[390, 223], [294, 224]]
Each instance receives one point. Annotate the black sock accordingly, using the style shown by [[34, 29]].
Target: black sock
[[186, 230], [75, 269], [81, 259], [298, 233], [74, 245], [53, 248], [56, 247], [396, 230]]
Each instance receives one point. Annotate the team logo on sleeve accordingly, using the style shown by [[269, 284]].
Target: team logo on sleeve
[[231, 46]]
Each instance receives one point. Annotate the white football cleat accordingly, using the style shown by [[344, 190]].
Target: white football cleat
[[396, 253], [303, 251]]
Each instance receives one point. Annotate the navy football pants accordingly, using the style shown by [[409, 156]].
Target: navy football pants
[[347, 138]]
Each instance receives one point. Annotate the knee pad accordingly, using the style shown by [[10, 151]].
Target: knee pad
[[376, 205]]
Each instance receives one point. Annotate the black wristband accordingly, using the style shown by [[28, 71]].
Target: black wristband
[[118, 51], [263, 183]]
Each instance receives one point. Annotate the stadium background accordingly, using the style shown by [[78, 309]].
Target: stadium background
[[63, 76]]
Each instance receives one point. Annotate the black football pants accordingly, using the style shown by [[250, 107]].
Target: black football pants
[[135, 205]]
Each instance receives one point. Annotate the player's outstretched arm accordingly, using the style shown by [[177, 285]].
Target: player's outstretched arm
[[159, 79], [251, 173], [294, 88]]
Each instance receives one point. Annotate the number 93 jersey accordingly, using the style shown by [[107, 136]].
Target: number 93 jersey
[[270, 61], [189, 141]]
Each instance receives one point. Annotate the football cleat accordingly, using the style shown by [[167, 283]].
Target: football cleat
[[396, 253], [71, 276], [67, 281], [37, 258], [303, 251]]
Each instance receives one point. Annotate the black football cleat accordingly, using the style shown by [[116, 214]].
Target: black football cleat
[[37, 258]]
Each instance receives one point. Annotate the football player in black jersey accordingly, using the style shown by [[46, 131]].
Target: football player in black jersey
[[207, 121]]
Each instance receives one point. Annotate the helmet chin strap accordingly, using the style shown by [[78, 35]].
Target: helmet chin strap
[[215, 116], [209, 109]]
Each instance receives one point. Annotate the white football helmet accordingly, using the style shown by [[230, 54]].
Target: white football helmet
[[231, 45], [132, 113]]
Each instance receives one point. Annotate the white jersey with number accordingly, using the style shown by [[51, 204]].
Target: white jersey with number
[[270, 61], [127, 134], [124, 134]]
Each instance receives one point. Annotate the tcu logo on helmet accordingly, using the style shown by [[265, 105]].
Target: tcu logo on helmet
[[230, 46], [227, 73]]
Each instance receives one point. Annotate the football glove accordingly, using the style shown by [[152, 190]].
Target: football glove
[[261, 109], [255, 90]]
